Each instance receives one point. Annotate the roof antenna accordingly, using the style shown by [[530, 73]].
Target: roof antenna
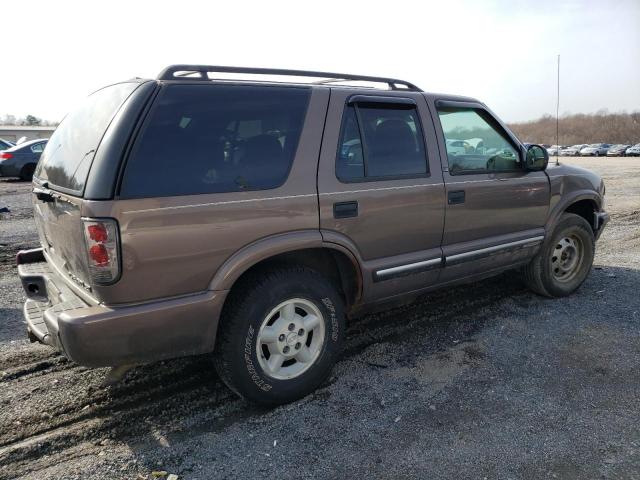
[[558, 117]]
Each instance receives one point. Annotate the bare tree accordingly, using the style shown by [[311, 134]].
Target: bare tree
[[601, 127]]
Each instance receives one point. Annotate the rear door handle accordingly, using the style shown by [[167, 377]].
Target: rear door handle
[[455, 197], [345, 209]]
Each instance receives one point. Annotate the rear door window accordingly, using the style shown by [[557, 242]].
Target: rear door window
[[66, 159], [216, 138], [380, 141]]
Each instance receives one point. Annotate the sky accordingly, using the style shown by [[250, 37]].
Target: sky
[[501, 52]]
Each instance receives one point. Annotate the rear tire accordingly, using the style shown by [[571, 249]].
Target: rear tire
[[26, 173], [259, 355], [564, 261]]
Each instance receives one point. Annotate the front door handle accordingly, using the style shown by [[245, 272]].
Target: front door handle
[[345, 209], [455, 197]]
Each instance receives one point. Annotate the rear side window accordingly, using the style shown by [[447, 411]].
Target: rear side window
[[37, 148], [67, 157], [380, 141], [216, 138]]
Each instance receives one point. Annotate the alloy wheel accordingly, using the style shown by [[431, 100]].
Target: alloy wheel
[[290, 339]]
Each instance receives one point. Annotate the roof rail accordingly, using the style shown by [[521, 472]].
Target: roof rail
[[178, 71]]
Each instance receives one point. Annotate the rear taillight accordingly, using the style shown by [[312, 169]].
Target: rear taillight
[[102, 241], [5, 155]]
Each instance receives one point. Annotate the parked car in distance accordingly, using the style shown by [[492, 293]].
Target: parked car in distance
[[457, 147], [554, 150], [243, 220], [633, 151], [617, 150], [5, 144], [21, 160], [573, 151], [595, 150]]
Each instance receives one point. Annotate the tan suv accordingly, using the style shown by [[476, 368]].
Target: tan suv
[[193, 214]]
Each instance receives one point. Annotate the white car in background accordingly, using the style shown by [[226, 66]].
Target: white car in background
[[554, 150], [595, 150], [617, 150], [573, 151], [633, 151], [457, 147]]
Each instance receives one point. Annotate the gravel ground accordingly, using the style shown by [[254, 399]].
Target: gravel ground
[[482, 381]]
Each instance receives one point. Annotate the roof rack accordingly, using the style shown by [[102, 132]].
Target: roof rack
[[179, 71]]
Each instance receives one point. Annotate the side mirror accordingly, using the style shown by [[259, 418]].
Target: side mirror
[[537, 158]]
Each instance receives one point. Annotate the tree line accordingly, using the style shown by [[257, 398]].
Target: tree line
[[600, 127], [28, 120]]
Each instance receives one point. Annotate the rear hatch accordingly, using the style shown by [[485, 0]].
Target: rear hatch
[[61, 175]]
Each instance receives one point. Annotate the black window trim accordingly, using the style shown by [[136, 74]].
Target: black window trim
[[81, 192], [404, 103], [145, 122], [493, 122]]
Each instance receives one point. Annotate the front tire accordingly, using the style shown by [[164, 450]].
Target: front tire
[[281, 334], [564, 261]]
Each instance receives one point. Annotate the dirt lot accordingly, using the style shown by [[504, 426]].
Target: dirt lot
[[482, 381]]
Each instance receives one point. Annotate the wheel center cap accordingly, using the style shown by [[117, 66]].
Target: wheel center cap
[[292, 338]]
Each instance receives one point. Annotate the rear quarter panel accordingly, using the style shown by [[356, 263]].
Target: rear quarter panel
[[174, 245]]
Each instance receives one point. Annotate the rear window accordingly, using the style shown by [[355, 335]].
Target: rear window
[[67, 157], [216, 138]]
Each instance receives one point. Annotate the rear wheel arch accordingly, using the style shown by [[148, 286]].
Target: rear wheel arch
[[334, 264], [305, 248]]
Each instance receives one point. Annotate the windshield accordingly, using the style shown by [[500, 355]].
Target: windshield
[[66, 160]]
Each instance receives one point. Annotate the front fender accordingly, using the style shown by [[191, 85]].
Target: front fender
[[570, 184]]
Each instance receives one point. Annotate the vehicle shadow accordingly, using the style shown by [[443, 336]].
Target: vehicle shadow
[[14, 180], [188, 392]]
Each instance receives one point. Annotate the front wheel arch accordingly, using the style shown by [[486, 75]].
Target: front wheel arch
[[585, 208], [579, 200]]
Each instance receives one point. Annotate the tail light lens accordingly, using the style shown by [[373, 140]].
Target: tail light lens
[[103, 246], [5, 155]]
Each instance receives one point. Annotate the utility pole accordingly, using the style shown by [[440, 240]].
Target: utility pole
[[558, 116]]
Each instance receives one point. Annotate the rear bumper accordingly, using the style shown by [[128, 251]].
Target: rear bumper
[[100, 335]]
